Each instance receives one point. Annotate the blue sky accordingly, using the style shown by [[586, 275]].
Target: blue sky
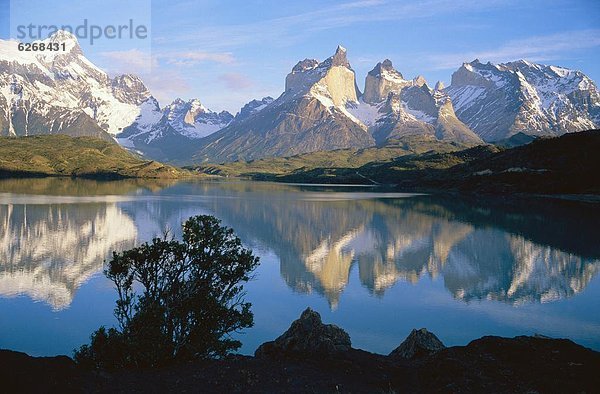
[[228, 52]]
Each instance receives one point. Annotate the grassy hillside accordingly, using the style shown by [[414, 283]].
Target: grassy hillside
[[271, 168], [60, 155], [567, 164], [391, 171]]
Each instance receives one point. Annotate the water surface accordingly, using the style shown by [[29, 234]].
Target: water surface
[[375, 262]]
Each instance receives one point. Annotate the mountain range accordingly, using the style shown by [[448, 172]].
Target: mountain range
[[321, 108]]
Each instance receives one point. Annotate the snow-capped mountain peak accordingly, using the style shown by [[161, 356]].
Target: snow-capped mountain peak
[[196, 106], [179, 123], [505, 99], [67, 38], [9, 51], [129, 88], [309, 115], [193, 119], [63, 92], [386, 70], [393, 107]]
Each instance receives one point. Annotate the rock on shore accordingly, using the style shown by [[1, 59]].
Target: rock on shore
[[308, 334], [315, 357], [419, 343]]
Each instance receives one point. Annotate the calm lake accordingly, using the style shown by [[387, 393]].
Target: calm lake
[[373, 262]]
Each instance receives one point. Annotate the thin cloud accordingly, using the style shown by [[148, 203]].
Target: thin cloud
[[537, 48], [284, 31], [235, 81], [191, 58], [166, 85], [361, 4], [132, 61]]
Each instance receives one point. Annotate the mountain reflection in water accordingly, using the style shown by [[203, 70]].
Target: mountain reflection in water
[[509, 252], [319, 242], [48, 251]]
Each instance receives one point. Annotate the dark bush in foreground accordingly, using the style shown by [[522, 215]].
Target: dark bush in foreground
[[177, 301]]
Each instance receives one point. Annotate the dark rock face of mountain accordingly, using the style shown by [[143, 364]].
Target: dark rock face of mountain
[[498, 101], [299, 126]]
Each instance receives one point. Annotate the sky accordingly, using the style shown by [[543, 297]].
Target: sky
[[226, 53]]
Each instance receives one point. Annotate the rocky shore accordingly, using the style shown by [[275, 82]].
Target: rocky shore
[[315, 357]]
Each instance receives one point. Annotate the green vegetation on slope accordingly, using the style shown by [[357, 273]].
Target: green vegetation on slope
[[271, 168], [566, 164], [410, 166], [60, 155]]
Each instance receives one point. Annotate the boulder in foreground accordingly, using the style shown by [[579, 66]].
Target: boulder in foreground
[[308, 334], [419, 343]]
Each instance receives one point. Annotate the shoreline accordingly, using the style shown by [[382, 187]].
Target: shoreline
[[589, 198], [315, 357]]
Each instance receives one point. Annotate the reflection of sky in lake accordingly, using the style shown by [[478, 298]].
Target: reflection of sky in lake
[[377, 264]]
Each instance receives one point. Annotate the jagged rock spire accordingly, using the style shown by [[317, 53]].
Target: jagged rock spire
[[385, 65], [338, 59], [382, 80]]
